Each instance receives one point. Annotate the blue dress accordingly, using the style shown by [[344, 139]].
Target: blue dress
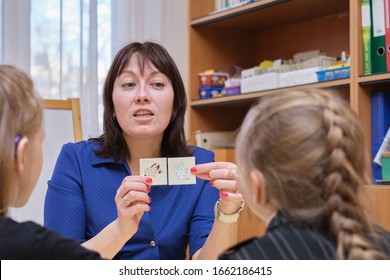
[[80, 202]]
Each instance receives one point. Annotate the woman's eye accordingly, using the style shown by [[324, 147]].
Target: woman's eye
[[158, 85], [128, 85]]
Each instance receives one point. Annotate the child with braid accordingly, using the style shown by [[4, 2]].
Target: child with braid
[[301, 163]]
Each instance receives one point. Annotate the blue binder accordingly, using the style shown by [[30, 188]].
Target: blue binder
[[380, 123]]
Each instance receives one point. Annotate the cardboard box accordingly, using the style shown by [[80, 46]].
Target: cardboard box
[[213, 79], [299, 77], [386, 166], [260, 82], [215, 139], [210, 91]]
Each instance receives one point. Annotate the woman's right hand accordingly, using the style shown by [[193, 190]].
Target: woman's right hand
[[132, 200]]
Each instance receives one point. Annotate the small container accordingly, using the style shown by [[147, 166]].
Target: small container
[[386, 166], [333, 74], [234, 90], [210, 91], [213, 79]]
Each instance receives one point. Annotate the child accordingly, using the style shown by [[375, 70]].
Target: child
[[301, 163], [22, 133]]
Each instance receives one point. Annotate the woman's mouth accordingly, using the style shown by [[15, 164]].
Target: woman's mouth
[[143, 113]]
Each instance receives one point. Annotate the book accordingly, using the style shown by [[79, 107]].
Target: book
[[380, 123], [366, 36]]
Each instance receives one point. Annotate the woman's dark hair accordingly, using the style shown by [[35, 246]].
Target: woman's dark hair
[[148, 53]]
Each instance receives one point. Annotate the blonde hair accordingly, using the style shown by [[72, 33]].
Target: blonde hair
[[310, 148], [20, 114]]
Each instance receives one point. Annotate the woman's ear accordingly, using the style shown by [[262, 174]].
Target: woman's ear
[[258, 187], [21, 155]]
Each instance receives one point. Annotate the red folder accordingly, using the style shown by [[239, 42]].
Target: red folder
[[387, 33]]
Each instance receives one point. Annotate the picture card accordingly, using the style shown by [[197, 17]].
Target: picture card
[[156, 168], [179, 171]]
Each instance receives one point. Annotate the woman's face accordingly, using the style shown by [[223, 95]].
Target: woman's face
[[143, 104]]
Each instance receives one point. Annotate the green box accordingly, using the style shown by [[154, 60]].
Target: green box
[[385, 168]]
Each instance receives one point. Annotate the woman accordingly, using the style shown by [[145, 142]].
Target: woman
[[22, 134], [145, 104], [301, 163]]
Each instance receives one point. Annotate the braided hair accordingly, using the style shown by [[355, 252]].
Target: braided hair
[[309, 147]]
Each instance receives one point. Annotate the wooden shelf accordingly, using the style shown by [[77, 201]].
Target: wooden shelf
[[278, 29], [374, 79], [253, 96], [376, 199], [266, 14]]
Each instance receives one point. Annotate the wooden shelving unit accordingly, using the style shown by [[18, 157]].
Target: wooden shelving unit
[[272, 29]]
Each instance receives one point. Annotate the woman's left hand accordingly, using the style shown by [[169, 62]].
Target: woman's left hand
[[222, 175]]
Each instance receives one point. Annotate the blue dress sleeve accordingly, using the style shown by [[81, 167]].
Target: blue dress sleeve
[[64, 210]]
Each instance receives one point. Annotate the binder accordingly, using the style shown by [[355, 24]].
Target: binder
[[378, 41], [366, 36], [380, 122], [387, 33]]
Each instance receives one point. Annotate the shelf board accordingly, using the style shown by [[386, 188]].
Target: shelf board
[[374, 79], [253, 96], [265, 14]]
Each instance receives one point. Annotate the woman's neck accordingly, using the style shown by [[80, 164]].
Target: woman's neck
[[142, 148]]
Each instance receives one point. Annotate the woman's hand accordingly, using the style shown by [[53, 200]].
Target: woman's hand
[[131, 202], [222, 175]]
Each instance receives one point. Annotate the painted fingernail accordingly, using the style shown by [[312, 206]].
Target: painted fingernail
[[193, 169], [148, 189], [224, 194], [212, 182], [149, 180], [150, 199]]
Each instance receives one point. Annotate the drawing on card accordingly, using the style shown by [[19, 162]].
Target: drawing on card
[[156, 168], [178, 171], [153, 170]]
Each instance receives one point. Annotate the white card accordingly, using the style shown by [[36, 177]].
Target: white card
[[156, 168], [179, 171]]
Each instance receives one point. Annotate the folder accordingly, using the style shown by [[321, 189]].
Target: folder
[[380, 123], [378, 41], [366, 36], [387, 33]]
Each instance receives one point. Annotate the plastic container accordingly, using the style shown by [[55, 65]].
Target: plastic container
[[261, 82], [333, 74], [210, 91], [298, 77], [213, 79], [233, 90]]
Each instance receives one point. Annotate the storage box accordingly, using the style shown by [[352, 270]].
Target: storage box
[[233, 90], [260, 82], [386, 166], [213, 79], [333, 74], [210, 91], [299, 77], [250, 72], [215, 139]]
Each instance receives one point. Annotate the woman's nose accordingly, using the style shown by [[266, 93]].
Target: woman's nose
[[142, 97]]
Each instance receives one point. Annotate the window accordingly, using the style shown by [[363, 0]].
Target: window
[[70, 53]]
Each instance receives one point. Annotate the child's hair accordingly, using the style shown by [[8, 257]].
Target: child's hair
[[310, 148], [20, 114]]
